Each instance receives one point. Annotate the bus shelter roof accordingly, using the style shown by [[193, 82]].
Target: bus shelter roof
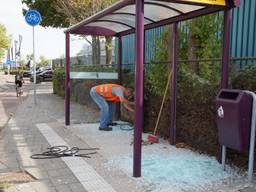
[[119, 19]]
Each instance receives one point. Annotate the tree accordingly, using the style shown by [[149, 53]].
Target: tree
[[4, 41], [108, 49], [203, 41], [23, 63], [29, 56], [61, 13], [43, 62]]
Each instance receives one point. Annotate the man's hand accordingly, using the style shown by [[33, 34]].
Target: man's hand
[[127, 104], [131, 103]]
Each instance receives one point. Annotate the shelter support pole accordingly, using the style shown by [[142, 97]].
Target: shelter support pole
[[226, 48], [119, 71], [67, 81], [139, 87], [224, 68], [173, 87], [120, 56]]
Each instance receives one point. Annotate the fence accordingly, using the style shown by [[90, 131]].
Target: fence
[[237, 63]]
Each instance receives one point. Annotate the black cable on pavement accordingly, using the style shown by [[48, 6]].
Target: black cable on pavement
[[125, 126], [64, 151]]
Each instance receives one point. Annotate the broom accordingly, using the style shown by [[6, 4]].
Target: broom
[[153, 138]]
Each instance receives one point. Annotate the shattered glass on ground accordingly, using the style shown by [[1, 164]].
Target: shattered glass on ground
[[178, 170]]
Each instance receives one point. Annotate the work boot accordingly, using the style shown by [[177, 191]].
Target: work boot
[[112, 124], [105, 128]]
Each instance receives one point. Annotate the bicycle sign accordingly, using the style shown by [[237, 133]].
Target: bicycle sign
[[33, 17], [8, 62]]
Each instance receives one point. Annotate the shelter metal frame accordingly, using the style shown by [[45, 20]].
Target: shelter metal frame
[[136, 16]]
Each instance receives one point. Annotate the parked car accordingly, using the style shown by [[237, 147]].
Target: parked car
[[46, 75], [30, 72], [26, 73], [38, 80], [43, 76]]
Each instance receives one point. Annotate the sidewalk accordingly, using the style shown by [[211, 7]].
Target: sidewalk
[[5, 80], [8, 99], [33, 128], [22, 138]]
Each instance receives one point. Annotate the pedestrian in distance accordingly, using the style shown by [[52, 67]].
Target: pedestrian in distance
[[105, 96], [18, 83]]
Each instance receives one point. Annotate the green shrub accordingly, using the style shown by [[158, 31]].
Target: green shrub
[[245, 79], [195, 108], [196, 113], [156, 76], [59, 82], [14, 71], [195, 102]]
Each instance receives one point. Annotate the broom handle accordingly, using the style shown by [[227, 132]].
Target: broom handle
[[162, 104]]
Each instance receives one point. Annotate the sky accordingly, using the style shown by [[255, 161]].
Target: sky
[[49, 42]]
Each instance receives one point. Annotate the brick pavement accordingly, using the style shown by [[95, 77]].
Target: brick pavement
[[8, 99], [21, 138], [5, 80]]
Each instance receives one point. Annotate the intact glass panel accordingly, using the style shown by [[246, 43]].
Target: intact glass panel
[[185, 8], [158, 13], [127, 9], [127, 19], [153, 12], [108, 25]]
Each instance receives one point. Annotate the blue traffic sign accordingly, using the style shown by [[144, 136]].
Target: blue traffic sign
[[8, 62], [33, 17]]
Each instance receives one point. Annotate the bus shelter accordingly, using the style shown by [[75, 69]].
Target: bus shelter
[[136, 16]]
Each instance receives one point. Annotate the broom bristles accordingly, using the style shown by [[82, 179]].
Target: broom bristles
[[153, 138]]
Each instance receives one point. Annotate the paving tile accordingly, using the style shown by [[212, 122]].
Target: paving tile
[[77, 187], [87, 176], [247, 189], [96, 185], [67, 179], [50, 165], [2, 166], [59, 172], [63, 188], [37, 173], [25, 187], [42, 186]]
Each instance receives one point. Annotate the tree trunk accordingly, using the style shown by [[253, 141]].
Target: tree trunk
[[98, 51], [108, 49], [192, 43], [169, 45], [95, 50]]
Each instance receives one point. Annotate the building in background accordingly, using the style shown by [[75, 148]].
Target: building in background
[[243, 38], [84, 57], [243, 42]]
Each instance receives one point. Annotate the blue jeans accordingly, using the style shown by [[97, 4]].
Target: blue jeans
[[106, 108]]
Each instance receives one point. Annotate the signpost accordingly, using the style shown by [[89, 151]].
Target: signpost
[[8, 63], [33, 18]]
